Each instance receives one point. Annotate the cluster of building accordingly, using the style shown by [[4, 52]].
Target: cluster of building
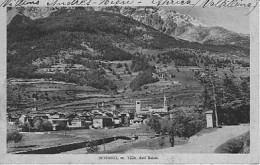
[[96, 119]]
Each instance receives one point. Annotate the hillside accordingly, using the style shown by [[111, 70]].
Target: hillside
[[121, 58]]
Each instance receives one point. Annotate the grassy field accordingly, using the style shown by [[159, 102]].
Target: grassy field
[[33, 141], [46, 139]]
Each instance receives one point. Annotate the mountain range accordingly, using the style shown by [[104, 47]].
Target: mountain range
[[182, 26], [170, 22]]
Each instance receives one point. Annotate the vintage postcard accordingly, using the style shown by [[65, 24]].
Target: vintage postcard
[[128, 81]]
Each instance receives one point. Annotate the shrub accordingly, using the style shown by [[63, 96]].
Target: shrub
[[13, 134], [92, 146]]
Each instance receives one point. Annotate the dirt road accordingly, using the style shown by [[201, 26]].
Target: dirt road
[[205, 143]]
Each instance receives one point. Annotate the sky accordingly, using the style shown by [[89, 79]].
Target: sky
[[234, 19]]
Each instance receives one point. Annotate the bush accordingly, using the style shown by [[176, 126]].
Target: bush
[[13, 134], [92, 146]]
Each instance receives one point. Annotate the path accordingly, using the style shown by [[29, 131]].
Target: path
[[205, 143]]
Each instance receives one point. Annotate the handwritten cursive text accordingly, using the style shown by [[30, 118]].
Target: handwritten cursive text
[[18, 3], [116, 2], [171, 2], [230, 3], [70, 3]]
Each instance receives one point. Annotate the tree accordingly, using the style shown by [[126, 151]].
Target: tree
[[37, 123], [187, 125], [26, 127], [13, 134], [154, 123], [139, 63], [229, 100], [46, 125], [61, 125]]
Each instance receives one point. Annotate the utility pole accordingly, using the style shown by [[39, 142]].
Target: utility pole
[[215, 104], [214, 98]]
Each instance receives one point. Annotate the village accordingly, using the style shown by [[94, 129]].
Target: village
[[97, 118]]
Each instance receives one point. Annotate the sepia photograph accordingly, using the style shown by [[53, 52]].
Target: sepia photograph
[[127, 80]]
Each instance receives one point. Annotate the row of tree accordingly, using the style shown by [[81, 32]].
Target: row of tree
[[230, 100], [39, 124]]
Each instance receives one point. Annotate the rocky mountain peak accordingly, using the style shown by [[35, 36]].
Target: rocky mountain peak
[[170, 22]]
